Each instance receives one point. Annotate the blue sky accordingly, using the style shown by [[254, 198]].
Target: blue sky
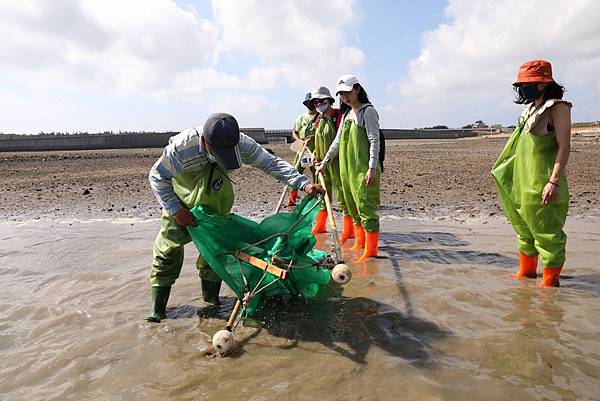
[[91, 65]]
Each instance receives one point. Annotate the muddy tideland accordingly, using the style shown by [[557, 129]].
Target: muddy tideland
[[437, 316], [428, 177]]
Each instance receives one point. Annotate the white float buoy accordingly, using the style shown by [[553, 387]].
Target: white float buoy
[[223, 341], [341, 273]]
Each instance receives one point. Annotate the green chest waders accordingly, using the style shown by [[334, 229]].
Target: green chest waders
[[209, 187], [324, 136], [521, 172], [361, 201], [306, 131]]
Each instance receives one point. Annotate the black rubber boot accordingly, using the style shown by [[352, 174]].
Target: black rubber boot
[[160, 296], [210, 291]]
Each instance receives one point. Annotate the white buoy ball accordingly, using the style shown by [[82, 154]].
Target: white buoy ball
[[223, 341], [341, 273]]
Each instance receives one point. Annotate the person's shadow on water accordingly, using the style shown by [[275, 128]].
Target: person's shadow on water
[[351, 326], [346, 326]]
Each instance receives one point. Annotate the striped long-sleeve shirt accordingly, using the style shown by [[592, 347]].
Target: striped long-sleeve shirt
[[185, 153]]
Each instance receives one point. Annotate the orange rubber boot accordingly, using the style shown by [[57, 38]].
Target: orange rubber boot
[[360, 238], [527, 266], [348, 230], [371, 242], [320, 223], [292, 198], [550, 276]]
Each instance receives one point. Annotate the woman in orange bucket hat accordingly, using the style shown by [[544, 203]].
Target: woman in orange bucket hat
[[530, 172]]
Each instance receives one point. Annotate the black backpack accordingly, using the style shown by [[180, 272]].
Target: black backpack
[[381, 149]]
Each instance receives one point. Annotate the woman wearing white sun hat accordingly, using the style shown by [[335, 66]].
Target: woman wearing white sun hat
[[358, 143]]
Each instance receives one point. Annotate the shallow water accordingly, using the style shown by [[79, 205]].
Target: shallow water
[[436, 317]]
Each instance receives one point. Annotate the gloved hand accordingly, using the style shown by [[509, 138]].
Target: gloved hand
[[314, 189], [185, 218]]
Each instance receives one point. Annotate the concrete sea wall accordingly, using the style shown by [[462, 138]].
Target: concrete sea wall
[[586, 128], [160, 139]]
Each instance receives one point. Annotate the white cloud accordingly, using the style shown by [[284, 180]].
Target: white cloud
[[466, 65], [242, 104], [167, 54], [304, 40], [157, 47], [96, 45]]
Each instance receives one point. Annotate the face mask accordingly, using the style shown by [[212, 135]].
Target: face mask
[[322, 107], [530, 92]]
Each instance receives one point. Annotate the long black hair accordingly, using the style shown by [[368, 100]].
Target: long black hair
[[362, 97], [551, 91]]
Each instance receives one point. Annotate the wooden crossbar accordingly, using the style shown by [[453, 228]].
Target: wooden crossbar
[[261, 264]]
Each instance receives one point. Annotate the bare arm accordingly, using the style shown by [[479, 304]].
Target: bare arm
[[560, 118]]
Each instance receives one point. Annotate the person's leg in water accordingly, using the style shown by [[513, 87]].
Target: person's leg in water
[[550, 241], [166, 265], [528, 255], [210, 283]]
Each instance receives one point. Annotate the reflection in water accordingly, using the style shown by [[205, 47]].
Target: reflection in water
[[533, 354]]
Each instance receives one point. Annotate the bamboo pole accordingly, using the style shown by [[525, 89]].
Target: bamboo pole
[[281, 200], [334, 233], [285, 188], [231, 320]]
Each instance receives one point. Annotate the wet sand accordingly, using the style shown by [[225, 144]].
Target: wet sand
[[436, 316]]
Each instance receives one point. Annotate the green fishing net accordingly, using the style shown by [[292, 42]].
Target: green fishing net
[[282, 239]]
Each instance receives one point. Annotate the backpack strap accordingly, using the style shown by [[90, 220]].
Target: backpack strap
[[381, 139], [363, 122]]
